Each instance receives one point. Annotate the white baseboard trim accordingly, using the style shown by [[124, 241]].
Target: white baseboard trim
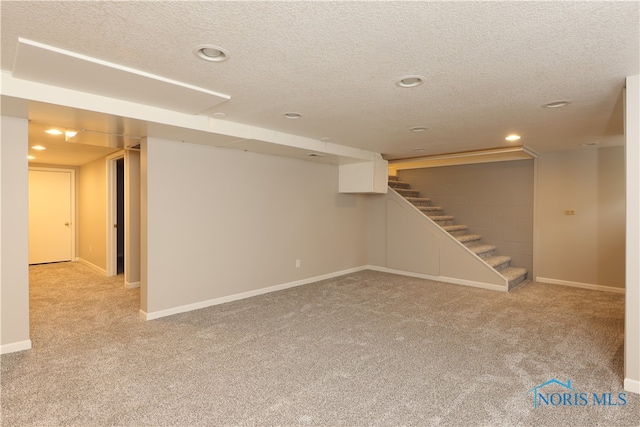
[[445, 279], [632, 385], [216, 301], [91, 265], [131, 285], [15, 346], [580, 285]]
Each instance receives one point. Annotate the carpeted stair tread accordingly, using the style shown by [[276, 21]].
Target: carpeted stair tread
[[407, 193], [399, 184], [483, 250], [514, 275], [441, 217], [451, 228], [430, 210], [419, 201], [466, 238], [498, 262], [393, 178]]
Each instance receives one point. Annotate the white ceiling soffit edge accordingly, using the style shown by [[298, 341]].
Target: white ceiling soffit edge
[[465, 158], [161, 123], [47, 64]]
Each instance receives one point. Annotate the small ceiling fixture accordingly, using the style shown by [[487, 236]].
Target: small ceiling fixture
[[419, 150], [219, 115], [556, 104], [513, 137], [39, 147], [590, 144], [54, 132], [211, 53], [70, 133], [31, 157], [410, 81], [292, 115], [418, 129]]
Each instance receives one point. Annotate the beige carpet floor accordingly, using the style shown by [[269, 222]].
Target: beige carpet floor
[[363, 349]]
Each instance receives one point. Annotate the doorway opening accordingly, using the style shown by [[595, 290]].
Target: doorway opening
[[120, 247]]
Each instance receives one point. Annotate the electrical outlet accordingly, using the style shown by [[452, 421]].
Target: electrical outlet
[[569, 212], [297, 263]]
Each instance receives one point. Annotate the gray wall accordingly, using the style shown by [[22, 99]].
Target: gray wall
[[219, 222], [588, 247], [494, 200], [14, 253]]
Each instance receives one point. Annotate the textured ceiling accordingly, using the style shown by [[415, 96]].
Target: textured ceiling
[[489, 66]]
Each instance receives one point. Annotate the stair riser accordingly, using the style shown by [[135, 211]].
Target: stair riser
[[444, 222], [502, 266], [458, 233], [471, 243], [517, 281], [393, 178], [432, 213], [420, 204], [487, 254]]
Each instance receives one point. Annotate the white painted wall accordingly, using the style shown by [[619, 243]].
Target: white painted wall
[[632, 306], [14, 255], [224, 222], [586, 248]]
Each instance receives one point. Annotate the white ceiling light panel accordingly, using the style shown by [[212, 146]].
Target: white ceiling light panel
[[49, 65]]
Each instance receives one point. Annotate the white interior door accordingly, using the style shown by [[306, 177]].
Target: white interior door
[[50, 216]]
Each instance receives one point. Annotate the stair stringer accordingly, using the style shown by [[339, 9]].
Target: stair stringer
[[433, 252]]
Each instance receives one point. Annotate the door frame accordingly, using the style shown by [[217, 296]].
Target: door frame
[[112, 212], [73, 200]]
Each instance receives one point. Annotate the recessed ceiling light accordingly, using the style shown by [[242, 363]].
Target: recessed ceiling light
[[54, 132], [590, 144], [410, 81], [513, 137], [211, 53], [70, 133], [557, 104], [292, 115], [418, 129], [218, 115], [31, 157], [419, 150], [39, 147]]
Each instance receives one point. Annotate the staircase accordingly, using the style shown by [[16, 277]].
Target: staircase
[[501, 263]]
